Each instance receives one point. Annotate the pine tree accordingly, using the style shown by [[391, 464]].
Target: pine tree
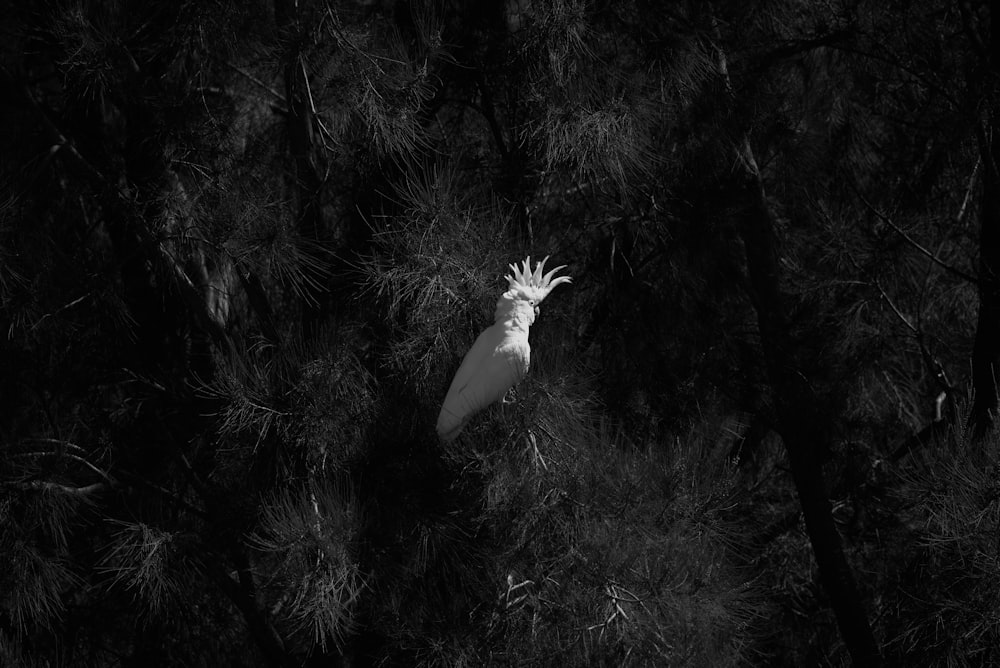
[[243, 248]]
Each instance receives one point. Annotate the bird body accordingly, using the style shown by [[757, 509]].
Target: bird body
[[500, 357]]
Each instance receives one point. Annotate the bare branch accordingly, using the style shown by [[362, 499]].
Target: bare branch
[[910, 240], [181, 503], [45, 486], [895, 309], [68, 455], [258, 82], [59, 310], [968, 191], [56, 441]]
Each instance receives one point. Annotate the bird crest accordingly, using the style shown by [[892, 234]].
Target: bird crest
[[533, 285]]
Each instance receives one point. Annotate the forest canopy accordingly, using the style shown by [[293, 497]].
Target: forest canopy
[[244, 247]]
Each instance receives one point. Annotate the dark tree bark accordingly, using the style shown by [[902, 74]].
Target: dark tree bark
[[263, 633], [302, 142], [986, 349], [804, 427]]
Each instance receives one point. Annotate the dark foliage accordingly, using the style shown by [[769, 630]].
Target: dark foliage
[[244, 246]]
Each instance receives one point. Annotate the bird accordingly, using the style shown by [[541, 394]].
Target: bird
[[500, 357]]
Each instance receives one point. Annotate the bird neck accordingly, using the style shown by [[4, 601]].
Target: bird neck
[[513, 312]]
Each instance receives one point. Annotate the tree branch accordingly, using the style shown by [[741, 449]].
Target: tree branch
[[906, 237], [260, 83], [968, 191], [803, 427], [46, 486], [181, 503], [895, 309], [71, 456], [262, 632], [795, 47], [487, 110]]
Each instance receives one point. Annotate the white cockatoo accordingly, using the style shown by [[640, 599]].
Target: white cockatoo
[[499, 358]]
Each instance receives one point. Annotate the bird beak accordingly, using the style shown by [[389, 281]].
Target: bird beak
[[536, 311]]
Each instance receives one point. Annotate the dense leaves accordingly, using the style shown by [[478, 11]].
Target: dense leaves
[[244, 246]]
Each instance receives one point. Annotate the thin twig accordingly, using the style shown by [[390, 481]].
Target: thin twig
[[968, 191], [68, 455], [305, 80], [910, 240], [45, 486], [56, 441], [181, 503], [258, 82], [59, 310], [895, 309]]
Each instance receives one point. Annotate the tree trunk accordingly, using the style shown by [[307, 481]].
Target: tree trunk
[[263, 634], [986, 349], [803, 425], [302, 141], [803, 428]]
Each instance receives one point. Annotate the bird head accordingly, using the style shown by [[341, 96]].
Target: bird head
[[533, 286]]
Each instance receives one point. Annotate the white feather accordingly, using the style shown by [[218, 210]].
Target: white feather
[[501, 355], [497, 361]]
